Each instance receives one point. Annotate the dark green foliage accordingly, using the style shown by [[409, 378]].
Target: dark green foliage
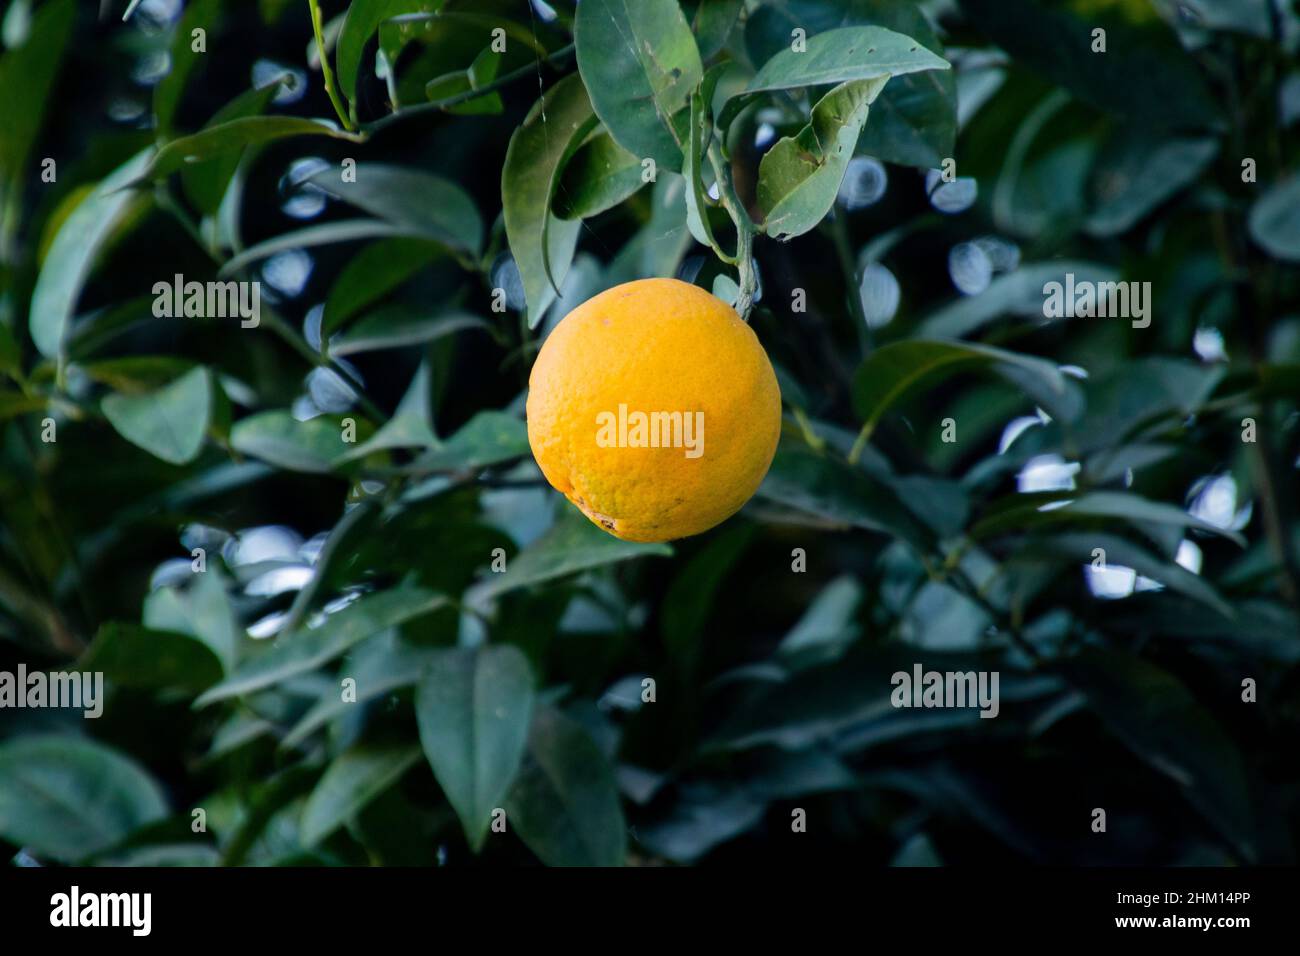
[[338, 610]]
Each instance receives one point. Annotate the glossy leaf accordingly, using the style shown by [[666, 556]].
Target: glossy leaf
[[134, 656], [1019, 293], [574, 544], [1133, 176], [362, 21], [600, 175], [234, 135], [1064, 507], [542, 243], [1144, 74], [836, 492], [199, 15], [70, 798], [371, 274], [565, 805], [206, 182], [1157, 718], [891, 372], [421, 202], [838, 56], [800, 175], [640, 64], [389, 328], [324, 234], [1275, 220], [73, 254], [380, 665], [276, 437], [304, 651], [353, 780], [27, 75], [202, 611], [474, 707], [914, 121], [488, 438], [169, 423]]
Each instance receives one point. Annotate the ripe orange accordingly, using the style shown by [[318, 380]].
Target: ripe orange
[[654, 409]]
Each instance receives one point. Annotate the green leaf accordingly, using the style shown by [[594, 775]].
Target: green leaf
[[543, 244], [169, 854], [323, 234], [337, 553], [706, 815], [315, 445], [235, 135], [480, 73], [914, 121], [836, 492], [73, 254], [1018, 293], [658, 249], [411, 425], [380, 665], [206, 183], [425, 204], [488, 438], [1139, 392], [133, 656], [574, 544], [351, 781], [1021, 514], [304, 651], [474, 707], [1079, 546], [1134, 175], [690, 597], [838, 56], [699, 137], [360, 24], [1145, 74], [168, 423], [852, 695], [397, 326], [1275, 220], [199, 15], [799, 177], [1158, 719], [600, 175], [640, 64], [891, 372], [203, 611], [565, 805], [713, 22], [27, 75], [827, 627], [371, 274], [69, 798]]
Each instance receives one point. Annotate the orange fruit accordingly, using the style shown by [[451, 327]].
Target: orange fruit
[[654, 409]]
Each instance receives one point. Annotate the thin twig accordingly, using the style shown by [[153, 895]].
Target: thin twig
[[319, 30]]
